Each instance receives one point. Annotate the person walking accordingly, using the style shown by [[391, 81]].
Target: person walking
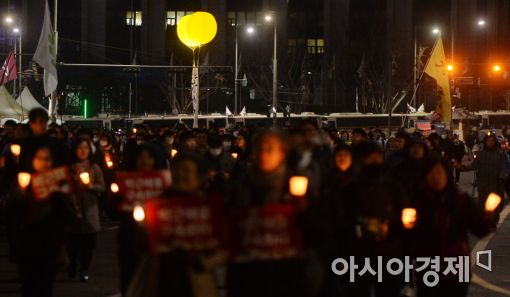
[[82, 236]]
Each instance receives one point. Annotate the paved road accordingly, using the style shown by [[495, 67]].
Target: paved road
[[104, 277]]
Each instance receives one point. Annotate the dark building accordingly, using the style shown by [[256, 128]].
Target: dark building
[[333, 55]]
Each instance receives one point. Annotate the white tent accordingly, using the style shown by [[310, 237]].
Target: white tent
[[27, 100], [8, 106]]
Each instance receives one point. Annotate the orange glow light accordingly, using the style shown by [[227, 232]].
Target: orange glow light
[[450, 68], [496, 68]]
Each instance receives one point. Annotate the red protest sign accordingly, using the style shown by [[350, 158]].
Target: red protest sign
[[138, 186], [55, 180], [187, 223], [265, 233]]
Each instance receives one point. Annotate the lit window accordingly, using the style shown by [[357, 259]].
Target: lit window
[[315, 46], [231, 18], [133, 18], [180, 15], [138, 18], [320, 46], [312, 46], [129, 18], [171, 18]]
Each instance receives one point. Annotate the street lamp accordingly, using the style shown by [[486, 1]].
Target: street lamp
[[496, 69], [9, 20], [250, 30], [481, 23], [450, 68], [436, 31], [270, 18]]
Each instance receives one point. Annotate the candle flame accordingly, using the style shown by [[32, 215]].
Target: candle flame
[[138, 213], [24, 179]]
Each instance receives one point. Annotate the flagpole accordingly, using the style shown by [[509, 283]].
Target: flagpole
[[52, 107], [418, 83], [20, 75], [236, 74], [15, 81]]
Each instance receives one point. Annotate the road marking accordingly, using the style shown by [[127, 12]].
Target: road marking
[[481, 245]]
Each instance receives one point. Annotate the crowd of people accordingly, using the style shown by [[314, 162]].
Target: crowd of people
[[358, 184]]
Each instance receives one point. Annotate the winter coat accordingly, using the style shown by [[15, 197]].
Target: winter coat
[[86, 198], [490, 166]]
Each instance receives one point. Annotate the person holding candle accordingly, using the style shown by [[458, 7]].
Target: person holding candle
[[36, 228], [181, 271], [108, 166], [364, 221], [166, 142], [490, 167], [263, 184], [82, 236], [445, 216], [131, 243]]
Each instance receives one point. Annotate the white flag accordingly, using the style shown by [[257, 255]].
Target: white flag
[[227, 111], [243, 111], [46, 54]]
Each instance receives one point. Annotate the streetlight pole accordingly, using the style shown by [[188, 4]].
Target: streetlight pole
[[271, 17], [236, 71], [275, 70]]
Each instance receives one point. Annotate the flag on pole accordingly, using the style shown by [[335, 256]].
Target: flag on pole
[[436, 68], [9, 71], [46, 54]]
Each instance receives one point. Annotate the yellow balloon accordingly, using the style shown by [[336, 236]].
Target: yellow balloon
[[182, 32], [202, 27]]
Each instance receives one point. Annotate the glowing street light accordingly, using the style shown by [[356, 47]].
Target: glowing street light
[[9, 20], [269, 18], [481, 23], [250, 30], [436, 31], [450, 68], [15, 30], [496, 68]]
